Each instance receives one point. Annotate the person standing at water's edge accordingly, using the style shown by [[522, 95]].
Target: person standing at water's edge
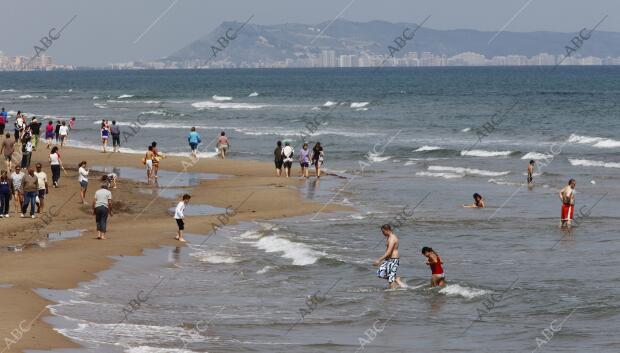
[[102, 208], [278, 159], [304, 160], [223, 145], [148, 162], [156, 158], [434, 261], [179, 216], [287, 158], [389, 262], [105, 136], [115, 130], [63, 132], [194, 139], [317, 158], [567, 195]]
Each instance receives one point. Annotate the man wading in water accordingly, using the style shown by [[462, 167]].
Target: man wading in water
[[390, 260]]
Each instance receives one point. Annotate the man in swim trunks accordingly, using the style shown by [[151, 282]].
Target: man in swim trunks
[[530, 173], [438, 277], [567, 195], [390, 260]]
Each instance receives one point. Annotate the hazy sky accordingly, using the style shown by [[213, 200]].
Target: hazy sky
[[105, 30]]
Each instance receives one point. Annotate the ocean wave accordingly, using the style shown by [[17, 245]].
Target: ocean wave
[[264, 270], [482, 153], [503, 182], [359, 104], [148, 349], [599, 142], [454, 290], [330, 104], [590, 163], [133, 102], [377, 157], [536, 156], [8, 90], [95, 97], [440, 175], [213, 257], [123, 96], [100, 105], [466, 171], [361, 109], [216, 105], [427, 148], [467, 129], [221, 98], [301, 254], [253, 94], [28, 96]]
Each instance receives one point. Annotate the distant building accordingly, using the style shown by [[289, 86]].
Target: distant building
[[328, 58]]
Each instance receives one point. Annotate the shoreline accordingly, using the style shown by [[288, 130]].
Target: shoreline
[[247, 187]]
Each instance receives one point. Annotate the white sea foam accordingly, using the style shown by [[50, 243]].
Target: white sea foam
[[536, 156], [148, 349], [599, 142], [253, 94], [377, 157], [361, 109], [221, 98], [100, 105], [440, 175], [590, 163], [301, 254], [427, 148], [330, 104], [216, 105], [123, 96], [28, 96], [264, 270], [482, 153], [359, 104], [213, 257], [316, 108], [467, 129], [502, 182], [95, 97], [466, 171], [7, 90], [453, 290]]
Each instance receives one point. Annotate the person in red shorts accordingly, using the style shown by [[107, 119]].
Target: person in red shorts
[[567, 195]]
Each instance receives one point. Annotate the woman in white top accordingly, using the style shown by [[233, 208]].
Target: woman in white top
[[83, 179], [56, 164], [63, 132]]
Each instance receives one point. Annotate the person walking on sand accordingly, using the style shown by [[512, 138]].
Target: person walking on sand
[[35, 129], [6, 191], [194, 139], [56, 166], [102, 208], [567, 195], [57, 131], [43, 186], [63, 132], [530, 173], [287, 157], [148, 162], [83, 180], [156, 158], [26, 150], [223, 145], [7, 149], [49, 133], [304, 160], [105, 136], [278, 159], [478, 202], [30, 185], [179, 216], [115, 130], [17, 177], [317, 158], [388, 263], [438, 277]]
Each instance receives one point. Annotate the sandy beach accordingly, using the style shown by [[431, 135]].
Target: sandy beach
[[140, 221]]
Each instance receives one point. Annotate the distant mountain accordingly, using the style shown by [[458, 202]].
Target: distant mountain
[[270, 43]]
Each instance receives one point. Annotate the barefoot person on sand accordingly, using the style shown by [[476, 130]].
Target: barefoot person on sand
[[6, 191], [43, 186], [223, 145], [304, 160], [102, 208], [115, 130], [105, 136], [83, 180], [156, 158], [434, 261], [478, 202], [7, 149], [179, 216], [567, 195], [317, 158], [148, 162], [194, 139], [17, 177], [49, 133], [287, 157], [56, 165], [278, 159], [390, 260]]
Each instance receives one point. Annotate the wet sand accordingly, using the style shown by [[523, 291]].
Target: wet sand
[[141, 220]]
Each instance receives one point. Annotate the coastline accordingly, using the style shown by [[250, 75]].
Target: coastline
[[248, 187]]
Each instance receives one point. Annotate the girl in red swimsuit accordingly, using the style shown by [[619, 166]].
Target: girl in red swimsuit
[[434, 261]]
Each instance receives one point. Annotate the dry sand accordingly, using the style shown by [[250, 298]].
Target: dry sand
[[140, 221]]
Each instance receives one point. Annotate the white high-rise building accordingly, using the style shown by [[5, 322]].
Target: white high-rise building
[[328, 58]]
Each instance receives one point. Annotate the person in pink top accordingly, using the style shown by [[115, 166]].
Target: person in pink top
[[223, 145]]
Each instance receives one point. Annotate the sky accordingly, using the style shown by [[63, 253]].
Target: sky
[[112, 31]]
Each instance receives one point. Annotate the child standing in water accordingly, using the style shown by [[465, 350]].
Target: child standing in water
[[434, 261], [179, 216]]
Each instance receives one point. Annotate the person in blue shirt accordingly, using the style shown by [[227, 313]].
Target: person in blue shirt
[[194, 139], [4, 117]]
